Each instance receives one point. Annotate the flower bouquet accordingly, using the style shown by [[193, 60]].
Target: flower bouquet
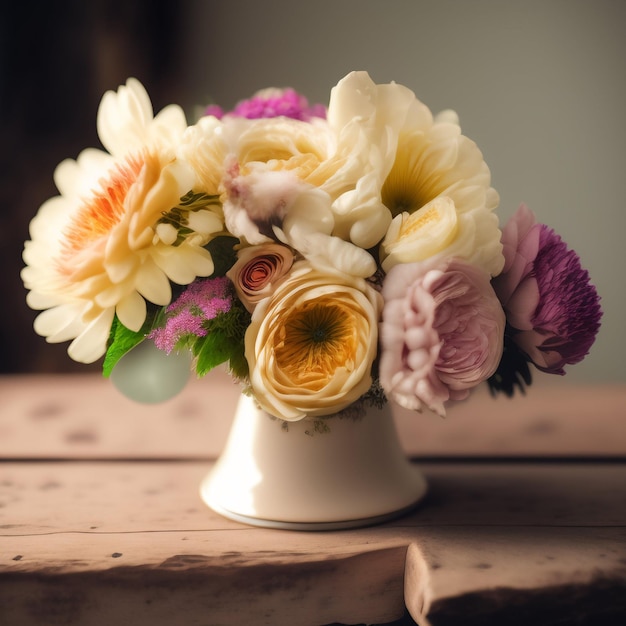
[[333, 258]]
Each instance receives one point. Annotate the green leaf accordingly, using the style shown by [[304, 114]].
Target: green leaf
[[223, 342], [238, 363], [178, 216], [122, 340], [211, 351]]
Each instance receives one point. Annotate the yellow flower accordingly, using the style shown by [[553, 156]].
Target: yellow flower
[[116, 235], [311, 345], [439, 194]]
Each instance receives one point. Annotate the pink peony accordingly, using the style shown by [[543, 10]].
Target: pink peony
[[553, 311], [441, 333]]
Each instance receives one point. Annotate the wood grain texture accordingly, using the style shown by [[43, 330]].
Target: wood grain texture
[[116, 532], [83, 416], [101, 520]]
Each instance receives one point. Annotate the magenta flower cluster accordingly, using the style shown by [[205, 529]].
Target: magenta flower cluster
[[273, 103], [201, 301]]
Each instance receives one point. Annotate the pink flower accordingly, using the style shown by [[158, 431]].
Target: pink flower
[[272, 103], [201, 301], [215, 110], [553, 311], [258, 271], [278, 103], [441, 333]]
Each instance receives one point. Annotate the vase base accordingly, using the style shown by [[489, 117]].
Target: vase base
[[361, 522]]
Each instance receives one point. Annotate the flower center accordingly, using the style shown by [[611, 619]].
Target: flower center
[[406, 188], [317, 339], [100, 212]]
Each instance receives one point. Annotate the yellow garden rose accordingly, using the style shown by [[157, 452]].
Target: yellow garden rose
[[311, 345]]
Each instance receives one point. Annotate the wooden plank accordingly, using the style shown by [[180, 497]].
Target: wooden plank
[[84, 497], [83, 416], [100, 543]]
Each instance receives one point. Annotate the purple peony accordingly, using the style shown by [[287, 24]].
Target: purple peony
[[441, 332], [553, 311]]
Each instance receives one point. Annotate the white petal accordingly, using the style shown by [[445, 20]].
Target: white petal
[[90, 345], [166, 233], [60, 323], [123, 116], [38, 301], [183, 264], [153, 284], [76, 179], [205, 222], [131, 311], [110, 297]]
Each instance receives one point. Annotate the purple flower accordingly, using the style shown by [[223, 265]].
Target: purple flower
[[214, 110], [273, 103], [201, 301], [553, 311], [441, 333]]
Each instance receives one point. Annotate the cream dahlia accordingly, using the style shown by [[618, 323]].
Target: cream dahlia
[[123, 226]]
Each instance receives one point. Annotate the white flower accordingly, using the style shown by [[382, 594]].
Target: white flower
[[346, 158], [439, 193], [308, 228], [311, 344], [204, 148], [365, 119], [96, 250]]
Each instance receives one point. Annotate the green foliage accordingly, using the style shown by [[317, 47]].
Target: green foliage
[[122, 340], [223, 253], [320, 427], [224, 339], [513, 371], [223, 342], [178, 216]]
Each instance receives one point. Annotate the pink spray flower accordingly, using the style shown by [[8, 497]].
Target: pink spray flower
[[441, 332], [201, 301], [553, 311]]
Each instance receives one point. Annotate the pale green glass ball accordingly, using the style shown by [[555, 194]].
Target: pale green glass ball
[[148, 375]]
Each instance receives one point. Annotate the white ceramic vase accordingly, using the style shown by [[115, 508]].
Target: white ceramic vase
[[293, 478]]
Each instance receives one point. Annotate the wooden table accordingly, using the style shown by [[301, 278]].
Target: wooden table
[[101, 522]]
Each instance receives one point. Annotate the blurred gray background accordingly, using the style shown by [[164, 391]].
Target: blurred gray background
[[539, 85]]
